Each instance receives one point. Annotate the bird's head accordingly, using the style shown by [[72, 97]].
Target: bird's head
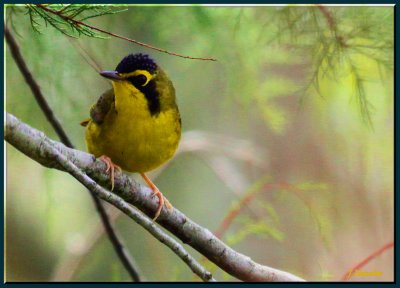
[[138, 72], [139, 69]]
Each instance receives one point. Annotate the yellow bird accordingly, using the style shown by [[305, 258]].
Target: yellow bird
[[136, 125]]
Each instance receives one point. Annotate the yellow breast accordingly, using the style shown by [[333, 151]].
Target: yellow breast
[[133, 138]]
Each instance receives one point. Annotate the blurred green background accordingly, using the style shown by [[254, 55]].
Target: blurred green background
[[297, 112]]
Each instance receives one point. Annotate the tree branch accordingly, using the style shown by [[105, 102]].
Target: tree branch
[[37, 146], [34, 86], [332, 24], [195, 142], [51, 154], [122, 253], [80, 23]]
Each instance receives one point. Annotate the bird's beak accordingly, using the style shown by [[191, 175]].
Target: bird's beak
[[113, 75]]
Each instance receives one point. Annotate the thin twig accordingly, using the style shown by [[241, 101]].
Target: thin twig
[[19, 60], [80, 23], [63, 9], [85, 55], [253, 191], [119, 248], [248, 196], [328, 15], [332, 24], [365, 261], [34, 144]]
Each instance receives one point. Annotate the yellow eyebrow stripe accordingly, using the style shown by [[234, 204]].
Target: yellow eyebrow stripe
[[136, 73]]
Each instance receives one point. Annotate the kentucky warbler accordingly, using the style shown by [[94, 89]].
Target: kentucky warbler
[[135, 125]]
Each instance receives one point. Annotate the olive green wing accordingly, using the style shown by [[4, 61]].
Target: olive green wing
[[99, 110]]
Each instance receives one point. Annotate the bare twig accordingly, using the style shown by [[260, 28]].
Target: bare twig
[[19, 60], [78, 23], [328, 15], [248, 196], [37, 146], [365, 261], [119, 248]]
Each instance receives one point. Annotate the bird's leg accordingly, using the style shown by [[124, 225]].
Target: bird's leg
[[110, 167], [161, 199]]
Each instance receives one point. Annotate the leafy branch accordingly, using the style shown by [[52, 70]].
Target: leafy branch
[[336, 38], [262, 185], [68, 19]]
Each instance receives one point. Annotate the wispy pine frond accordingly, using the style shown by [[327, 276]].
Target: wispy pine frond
[[333, 38], [65, 18]]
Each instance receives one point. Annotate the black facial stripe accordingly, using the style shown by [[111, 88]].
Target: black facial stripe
[[138, 80], [152, 96], [139, 61]]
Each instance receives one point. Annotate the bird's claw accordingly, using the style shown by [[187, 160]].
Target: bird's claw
[[162, 200], [110, 167]]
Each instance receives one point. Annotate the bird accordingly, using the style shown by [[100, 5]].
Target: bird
[[136, 125]]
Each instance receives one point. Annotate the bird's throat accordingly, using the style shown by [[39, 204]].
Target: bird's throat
[[129, 100]]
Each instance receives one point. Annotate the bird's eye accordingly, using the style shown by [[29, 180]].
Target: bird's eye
[[139, 80]]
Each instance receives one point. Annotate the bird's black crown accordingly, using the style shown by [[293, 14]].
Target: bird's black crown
[[134, 62]]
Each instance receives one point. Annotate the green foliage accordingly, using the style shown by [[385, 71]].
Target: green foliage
[[266, 227], [268, 59], [326, 276], [68, 18], [269, 209], [336, 38], [313, 186], [250, 227], [116, 275], [318, 210], [321, 44]]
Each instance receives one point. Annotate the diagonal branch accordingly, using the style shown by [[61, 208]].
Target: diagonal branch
[[78, 23], [37, 146], [365, 261], [122, 252], [34, 86], [193, 142], [51, 154]]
